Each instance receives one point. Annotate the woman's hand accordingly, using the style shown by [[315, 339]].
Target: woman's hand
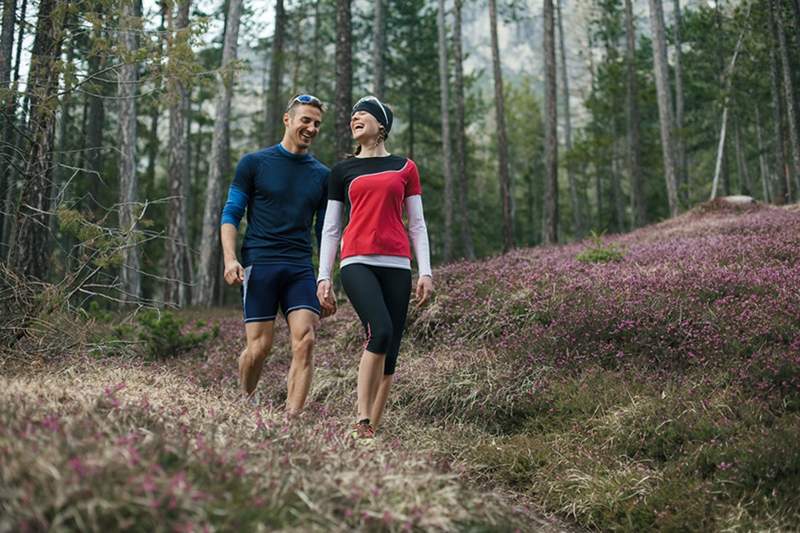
[[424, 290], [326, 297]]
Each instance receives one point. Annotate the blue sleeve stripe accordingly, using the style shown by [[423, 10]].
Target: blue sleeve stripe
[[233, 211]]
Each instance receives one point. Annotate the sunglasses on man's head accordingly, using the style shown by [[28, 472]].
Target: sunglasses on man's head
[[373, 99], [304, 99]]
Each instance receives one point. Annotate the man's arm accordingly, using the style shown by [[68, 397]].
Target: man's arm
[[232, 215], [234, 272]]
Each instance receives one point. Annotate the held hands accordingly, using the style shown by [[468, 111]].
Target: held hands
[[424, 290], [326, 297], [234, 273]]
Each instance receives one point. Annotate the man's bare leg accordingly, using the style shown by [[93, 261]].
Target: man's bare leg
[[251, 360], [380, 400], [303, 325]]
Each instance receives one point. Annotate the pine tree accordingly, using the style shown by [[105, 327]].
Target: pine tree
[[664, 103], [447, 151], [29, 255], [344, 78], [550, 229], [502, 137], [209, 240]]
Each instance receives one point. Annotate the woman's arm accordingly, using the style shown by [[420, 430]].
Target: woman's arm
[[331, 233], [419, 234], [419, 238]]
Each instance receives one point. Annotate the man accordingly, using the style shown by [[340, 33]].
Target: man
[[281, 187]]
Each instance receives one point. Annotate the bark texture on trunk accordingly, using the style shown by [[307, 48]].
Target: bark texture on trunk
[[550, 230], [461, 136], [9, 137], [763, 166], [343, 99], [378, 49], [128, 181], [447, 150], [664, 103], [791, 103], [632, 115], [745, 183], [29, 254], [6, 103], [177, 250], [680, 145], [782, 190], [203, 293], [577, 209], [502, 137], [275, 106]]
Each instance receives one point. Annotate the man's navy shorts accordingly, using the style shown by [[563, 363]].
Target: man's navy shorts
[[268, 286]]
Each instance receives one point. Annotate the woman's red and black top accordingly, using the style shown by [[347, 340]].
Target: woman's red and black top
[[374, 190]]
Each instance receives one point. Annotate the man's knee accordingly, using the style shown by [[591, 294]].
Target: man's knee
[[303, 340], [258, 348]]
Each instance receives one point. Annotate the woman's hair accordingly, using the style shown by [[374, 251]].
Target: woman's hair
[[382, 136]]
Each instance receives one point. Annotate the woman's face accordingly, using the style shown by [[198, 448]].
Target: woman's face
[[364, 127]]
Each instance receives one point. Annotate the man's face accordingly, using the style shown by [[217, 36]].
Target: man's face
[[302, 124]]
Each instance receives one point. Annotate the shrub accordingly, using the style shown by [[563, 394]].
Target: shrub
[[162, 334], [599, 252]]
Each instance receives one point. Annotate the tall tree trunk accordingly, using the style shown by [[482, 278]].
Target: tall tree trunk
[[725, 106], [550, 230], [378, 49], [782, 193], [97, 89], [11, 138], [63, 159], [274, 104], [616, 189], [155, 112], [461, 136], [763, 166], [128, 182], [344, 78], [745, 183], [632, 115], [179, 51], [209, 240], [447, 151], [502, 137], [789, 98], [317, 48], [664, 103], [577, 211], [6, 105], [30, 255], [295, 27], [680, 144]]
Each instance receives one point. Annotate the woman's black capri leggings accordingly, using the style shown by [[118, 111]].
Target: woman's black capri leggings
[[380, 297]]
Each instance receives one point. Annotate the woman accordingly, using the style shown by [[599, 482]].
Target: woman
[[375, 186]]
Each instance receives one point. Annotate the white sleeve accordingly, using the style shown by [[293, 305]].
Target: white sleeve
[[419, 234], [331, 232]]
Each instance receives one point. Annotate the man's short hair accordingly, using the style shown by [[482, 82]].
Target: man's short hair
[[304, 99]]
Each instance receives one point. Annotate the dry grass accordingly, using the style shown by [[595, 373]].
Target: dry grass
[[108, 444]]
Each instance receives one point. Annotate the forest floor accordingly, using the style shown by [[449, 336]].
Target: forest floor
[[643, 381]]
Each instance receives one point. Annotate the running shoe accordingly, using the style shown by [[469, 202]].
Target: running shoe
[[363, 433]]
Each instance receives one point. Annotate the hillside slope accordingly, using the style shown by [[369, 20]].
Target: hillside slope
[[654, 383]]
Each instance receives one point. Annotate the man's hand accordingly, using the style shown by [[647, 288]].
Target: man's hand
[[424, 290], [326, 297], [234, 273]]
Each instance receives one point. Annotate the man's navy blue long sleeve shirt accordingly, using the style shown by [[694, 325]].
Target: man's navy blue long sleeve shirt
[[282, 192]]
